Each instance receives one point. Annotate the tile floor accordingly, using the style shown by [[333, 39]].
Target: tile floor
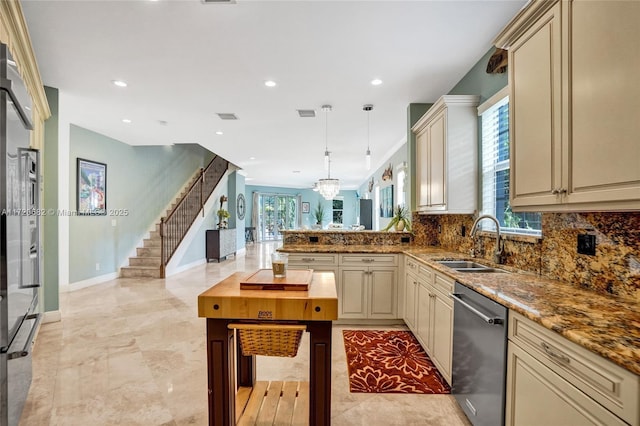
[[132, 352]]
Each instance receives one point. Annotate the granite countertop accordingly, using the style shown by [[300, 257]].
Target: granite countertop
[[606, 325]]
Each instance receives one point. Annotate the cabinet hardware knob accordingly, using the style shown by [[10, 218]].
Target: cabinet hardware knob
[[317, 309], [216, 307], [555, 191]]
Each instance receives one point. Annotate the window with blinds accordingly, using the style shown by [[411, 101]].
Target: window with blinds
[[495, 171]]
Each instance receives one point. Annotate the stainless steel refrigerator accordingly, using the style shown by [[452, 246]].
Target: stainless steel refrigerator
[[20, 260]]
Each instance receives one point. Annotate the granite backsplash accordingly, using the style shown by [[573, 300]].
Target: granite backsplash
[[615, 268]]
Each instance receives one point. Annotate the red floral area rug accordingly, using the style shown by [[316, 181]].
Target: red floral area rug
[[390, 362]]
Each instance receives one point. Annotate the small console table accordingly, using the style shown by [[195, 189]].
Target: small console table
[[225, 303], [220, 243]]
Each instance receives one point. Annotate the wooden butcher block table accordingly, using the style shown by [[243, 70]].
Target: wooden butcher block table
[[227, 307]]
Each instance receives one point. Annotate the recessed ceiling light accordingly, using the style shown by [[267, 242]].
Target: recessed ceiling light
[[163, 122], [252, 158], [119, 83], [126, 120], [296, 171], [270, 83], [376, 82], [219, 133]]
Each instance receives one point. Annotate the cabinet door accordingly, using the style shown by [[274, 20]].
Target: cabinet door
[[437, 161], [352, 297], [422, 166], [423, 316], [410, 287], [535, 113], [537, 396], [382, 292], [604, 102], [442, 333]]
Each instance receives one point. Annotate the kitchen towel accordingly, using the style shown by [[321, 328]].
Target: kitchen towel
[[390, 362]]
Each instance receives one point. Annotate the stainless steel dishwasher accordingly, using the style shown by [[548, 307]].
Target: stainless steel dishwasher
[[479, 356]]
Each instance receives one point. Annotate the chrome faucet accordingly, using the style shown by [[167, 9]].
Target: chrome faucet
[[497, 254]]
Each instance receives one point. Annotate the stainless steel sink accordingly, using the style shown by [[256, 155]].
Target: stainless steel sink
[[468, 266]]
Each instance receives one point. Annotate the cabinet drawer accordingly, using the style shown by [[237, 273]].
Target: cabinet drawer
[[443, 283], [369, 259], [313, 258], [411, 265], [612, 386]]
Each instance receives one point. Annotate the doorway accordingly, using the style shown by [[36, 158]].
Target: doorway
[[277, 212]]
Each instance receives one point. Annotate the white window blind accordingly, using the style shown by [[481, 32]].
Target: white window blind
[[495, 171]]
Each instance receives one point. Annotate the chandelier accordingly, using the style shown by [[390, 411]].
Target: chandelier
[[328, 187]]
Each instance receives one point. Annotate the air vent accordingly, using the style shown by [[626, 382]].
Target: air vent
[[304, 113], [218, 1], [227, 116]]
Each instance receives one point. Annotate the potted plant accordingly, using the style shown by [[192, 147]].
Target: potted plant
[[401, 219], [223, 214], [318, 214]]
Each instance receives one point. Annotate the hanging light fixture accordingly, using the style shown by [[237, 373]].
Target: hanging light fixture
[[367, 155], [326, 109], [328, 187]]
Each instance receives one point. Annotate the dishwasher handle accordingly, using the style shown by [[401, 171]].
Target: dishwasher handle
[[489, 320]]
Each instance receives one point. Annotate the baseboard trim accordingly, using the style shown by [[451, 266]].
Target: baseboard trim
[[173, 271], [51, 316], [88, 283]]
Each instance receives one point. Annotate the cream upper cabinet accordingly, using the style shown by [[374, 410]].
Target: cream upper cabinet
[[446, 156], [574, 105]]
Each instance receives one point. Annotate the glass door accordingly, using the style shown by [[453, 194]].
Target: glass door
[[277, 212]]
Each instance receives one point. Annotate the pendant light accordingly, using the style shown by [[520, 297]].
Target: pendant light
[[326, 109], [367, 155], [328, 187]]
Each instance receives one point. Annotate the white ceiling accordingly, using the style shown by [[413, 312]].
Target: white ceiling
[[185, 61]]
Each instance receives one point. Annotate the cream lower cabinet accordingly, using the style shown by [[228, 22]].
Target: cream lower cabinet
[[410, 293], [552, 381], [427, 303], [368, 286], [319, 262], [441, 325], [573, 124]]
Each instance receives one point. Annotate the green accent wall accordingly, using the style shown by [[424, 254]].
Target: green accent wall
[[50, 170], [141, 180], [478, 82]]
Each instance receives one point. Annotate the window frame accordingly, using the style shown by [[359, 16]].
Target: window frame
[[488, 173]]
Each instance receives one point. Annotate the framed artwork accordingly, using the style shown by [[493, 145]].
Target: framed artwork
[[386, 201], [305, 207], [91, 187]]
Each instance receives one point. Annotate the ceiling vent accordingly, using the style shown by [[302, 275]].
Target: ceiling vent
[[227, 116], [218, 1], [304, 113]]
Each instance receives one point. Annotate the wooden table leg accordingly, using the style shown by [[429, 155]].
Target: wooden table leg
[[222, 396], [246, 368], [320, 373]]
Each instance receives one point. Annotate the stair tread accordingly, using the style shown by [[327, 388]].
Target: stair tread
[[140, 267]]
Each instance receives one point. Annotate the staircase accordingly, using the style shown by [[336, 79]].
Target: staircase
[[156, 251]]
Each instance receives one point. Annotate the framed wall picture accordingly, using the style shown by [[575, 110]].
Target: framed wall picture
[[305, 207], [386, 201], [91, 187]]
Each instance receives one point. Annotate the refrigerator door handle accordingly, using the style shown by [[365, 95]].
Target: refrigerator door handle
[[27, 346], [30, 286], [5, 85]]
